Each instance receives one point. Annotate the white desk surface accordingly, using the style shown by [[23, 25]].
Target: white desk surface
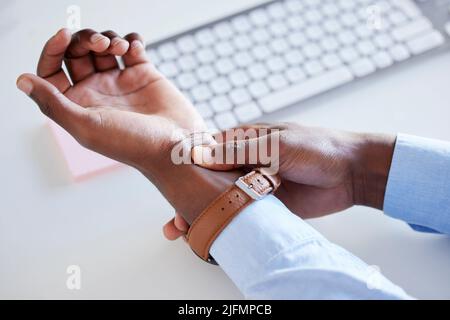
[[111, 225]]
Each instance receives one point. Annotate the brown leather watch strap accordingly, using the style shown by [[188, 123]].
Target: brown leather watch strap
[[213, 220]]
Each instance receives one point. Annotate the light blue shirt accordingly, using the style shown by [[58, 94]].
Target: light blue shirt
[[270, 253]]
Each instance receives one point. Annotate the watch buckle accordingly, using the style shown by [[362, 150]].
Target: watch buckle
[[250, 190]]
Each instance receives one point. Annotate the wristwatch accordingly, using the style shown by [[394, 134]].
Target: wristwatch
[[213, 220]]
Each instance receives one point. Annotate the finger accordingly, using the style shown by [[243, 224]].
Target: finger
[[171, 232], [53, 103], [51, 60], [180, 223], [234, 154], [107, 60], [136, 53], [241, 132], [79, 60]]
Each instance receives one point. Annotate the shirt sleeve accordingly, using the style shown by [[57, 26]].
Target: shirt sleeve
[[418, 189], [270, 253]]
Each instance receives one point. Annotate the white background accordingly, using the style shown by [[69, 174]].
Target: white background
[[111, 225]]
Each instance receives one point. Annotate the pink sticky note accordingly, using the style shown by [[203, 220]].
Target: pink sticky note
[[82, 162]]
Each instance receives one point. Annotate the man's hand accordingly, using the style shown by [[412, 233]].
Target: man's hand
[[129, 115], [134, 115], [323, 171]]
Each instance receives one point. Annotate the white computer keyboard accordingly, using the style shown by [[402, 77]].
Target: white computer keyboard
[[283, 52]]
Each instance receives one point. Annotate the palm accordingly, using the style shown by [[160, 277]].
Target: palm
[[138, 89], [130, 114]]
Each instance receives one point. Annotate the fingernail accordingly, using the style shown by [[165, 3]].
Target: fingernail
[[25, 85], [137, 44], [116, 41], [201, 154], [97, 37]]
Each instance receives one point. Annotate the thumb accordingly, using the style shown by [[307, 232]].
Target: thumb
[[252, 153], [52, 102]]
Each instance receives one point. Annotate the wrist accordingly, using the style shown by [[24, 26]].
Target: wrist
[[370, 169], [189, 188]]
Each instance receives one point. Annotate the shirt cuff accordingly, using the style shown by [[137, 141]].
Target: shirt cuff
[[246, 243], [417, 191]]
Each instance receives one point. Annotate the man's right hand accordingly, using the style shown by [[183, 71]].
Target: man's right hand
[[323, 171]]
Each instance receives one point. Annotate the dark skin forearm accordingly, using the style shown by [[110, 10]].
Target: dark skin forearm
[[189, 188]]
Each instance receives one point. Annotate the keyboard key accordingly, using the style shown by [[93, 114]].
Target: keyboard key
[[277, 81], [258, 89], [258, 71], [399, 52], [223, 30], [187, 44], [261, 52], [294, 57], [408, 7], [225, 66], [333, 26], [331, 61], [305, 89], [169, 69], [186, 81], [206, 55], [329, 44], [154, 57], [260, 35], [243, 59], [221, 104], [295, 74], [312, 51], [297, 39], [259, 17], [240, 96], [205, 37], [349, 19], [313, 67], [348, 54], [330, 9], [347, 37], [168, 51], [277, 11], [206, 73], [276, 64], [226, 120], [243, 42], [382, 59], [204, 110], [239, 78], [362, 67], [397, 18], [294, 6], [426, 42], [313, 16], [220, 85], [187, 63], [314, 32], [278, 29], [248, 112], [201, 93], [224, 49], [412, 29], [383, 41], [295, 23], [366, 47], [279, 46], [241, 24]]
